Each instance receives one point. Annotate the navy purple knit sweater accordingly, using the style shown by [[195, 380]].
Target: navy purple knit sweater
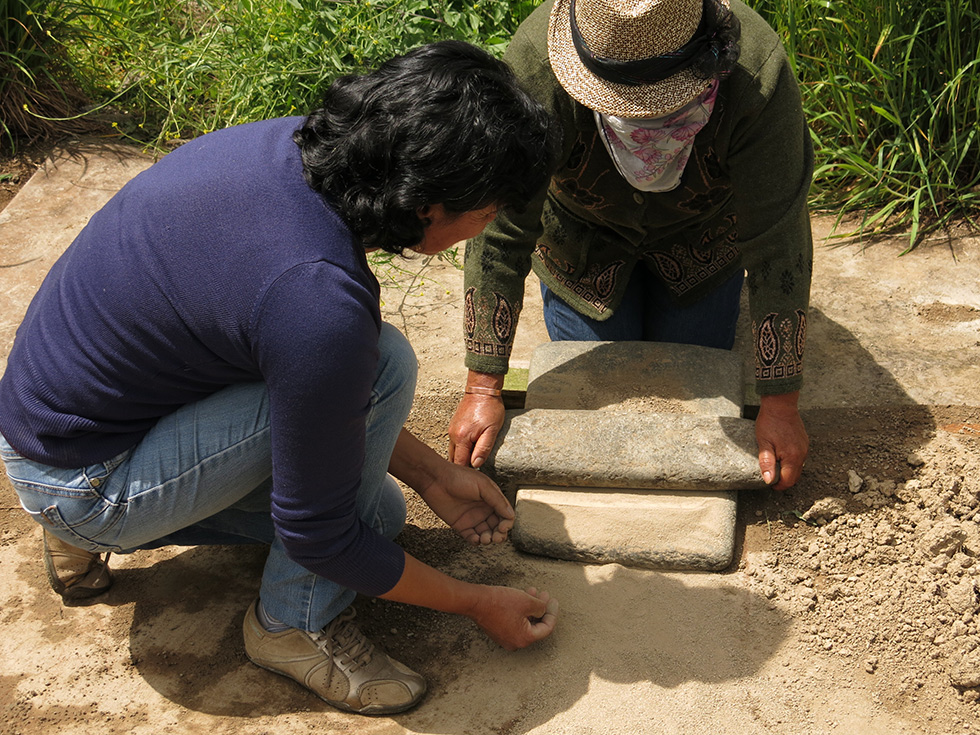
[[217, 265]]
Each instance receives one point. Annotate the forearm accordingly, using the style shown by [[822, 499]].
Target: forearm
[[511, 617], [413, 462], [425, 586], [496, 265]]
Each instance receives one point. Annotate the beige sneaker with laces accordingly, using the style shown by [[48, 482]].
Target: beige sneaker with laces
[[75, 574], [338, 664]]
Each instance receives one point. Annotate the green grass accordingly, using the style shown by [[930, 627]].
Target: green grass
[[179, 69], [37, 89], [891, 88], [892, 92]]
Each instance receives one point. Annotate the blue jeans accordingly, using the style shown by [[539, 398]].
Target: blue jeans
[[202, 475], [647, 313]]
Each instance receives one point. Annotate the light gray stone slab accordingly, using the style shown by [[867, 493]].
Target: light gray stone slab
[[636, 376], [656, 529], [625, 450]]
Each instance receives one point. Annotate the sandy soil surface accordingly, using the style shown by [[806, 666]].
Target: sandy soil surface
[[853, 605]]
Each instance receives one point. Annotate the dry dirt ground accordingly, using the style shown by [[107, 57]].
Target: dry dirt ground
[[853, 605]]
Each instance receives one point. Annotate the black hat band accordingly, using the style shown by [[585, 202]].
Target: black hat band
[[641, 71]]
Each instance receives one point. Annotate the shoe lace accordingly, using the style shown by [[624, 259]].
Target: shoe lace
[[346, 643]]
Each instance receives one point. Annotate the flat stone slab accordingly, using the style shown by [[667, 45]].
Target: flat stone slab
[[636, 376], [650, 451], [658, 529]]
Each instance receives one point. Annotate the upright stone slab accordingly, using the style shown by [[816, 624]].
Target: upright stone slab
[[629, 452]]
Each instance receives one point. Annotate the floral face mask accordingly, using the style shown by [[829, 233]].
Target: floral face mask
[[651, 153]]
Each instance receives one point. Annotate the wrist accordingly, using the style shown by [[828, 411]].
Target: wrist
[[780, 401], [484, 384], [470, 599], [779, 408], [477, 382], [480, 390]]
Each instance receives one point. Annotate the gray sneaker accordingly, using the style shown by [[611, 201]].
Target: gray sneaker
[[75, 574], [338, 664]]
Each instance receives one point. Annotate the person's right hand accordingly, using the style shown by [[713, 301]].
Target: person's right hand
[[474, 429], [516, 619], [512, 618]]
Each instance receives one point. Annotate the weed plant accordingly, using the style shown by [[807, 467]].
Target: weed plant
[[892, 93], [179, 69], [891, 87], [37, 91]]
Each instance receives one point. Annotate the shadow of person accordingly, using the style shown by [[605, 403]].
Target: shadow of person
[[596, 375], [624, 636], [859, 416], [841, 373], [185, 638], [844, 387]]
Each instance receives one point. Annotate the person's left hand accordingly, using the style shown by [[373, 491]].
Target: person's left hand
[[782, 439], [470, 503]]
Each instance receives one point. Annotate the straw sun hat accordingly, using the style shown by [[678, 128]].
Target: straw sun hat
[[607, 58]]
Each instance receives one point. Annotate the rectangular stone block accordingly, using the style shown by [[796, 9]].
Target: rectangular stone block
[[654, 529], [636, 376], [553, 447]]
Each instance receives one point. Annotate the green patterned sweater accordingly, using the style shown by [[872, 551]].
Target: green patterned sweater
[[741, 204]]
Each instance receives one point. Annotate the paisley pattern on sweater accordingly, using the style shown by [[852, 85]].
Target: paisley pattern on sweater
[[685, 266], [503, 320], [596, 285], [469, 313], [780, 344], [501, 316]]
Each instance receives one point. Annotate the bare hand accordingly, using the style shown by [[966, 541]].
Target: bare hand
[[474, 428], [782, 439], [516, 619], [470, 503]]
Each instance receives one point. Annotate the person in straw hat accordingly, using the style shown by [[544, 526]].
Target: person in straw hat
[[685, 165]]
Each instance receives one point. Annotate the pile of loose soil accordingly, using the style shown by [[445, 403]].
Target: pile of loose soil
[[876, 551]]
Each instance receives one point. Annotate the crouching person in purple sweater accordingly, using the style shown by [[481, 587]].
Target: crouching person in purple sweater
[[206, 364]]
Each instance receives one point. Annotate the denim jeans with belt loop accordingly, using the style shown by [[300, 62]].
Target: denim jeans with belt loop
[[203, 475]]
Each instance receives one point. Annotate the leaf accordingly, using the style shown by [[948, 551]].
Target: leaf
[[887, 115]]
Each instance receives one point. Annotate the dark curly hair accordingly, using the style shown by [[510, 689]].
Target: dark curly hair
[[445, 123], [723, 31]]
